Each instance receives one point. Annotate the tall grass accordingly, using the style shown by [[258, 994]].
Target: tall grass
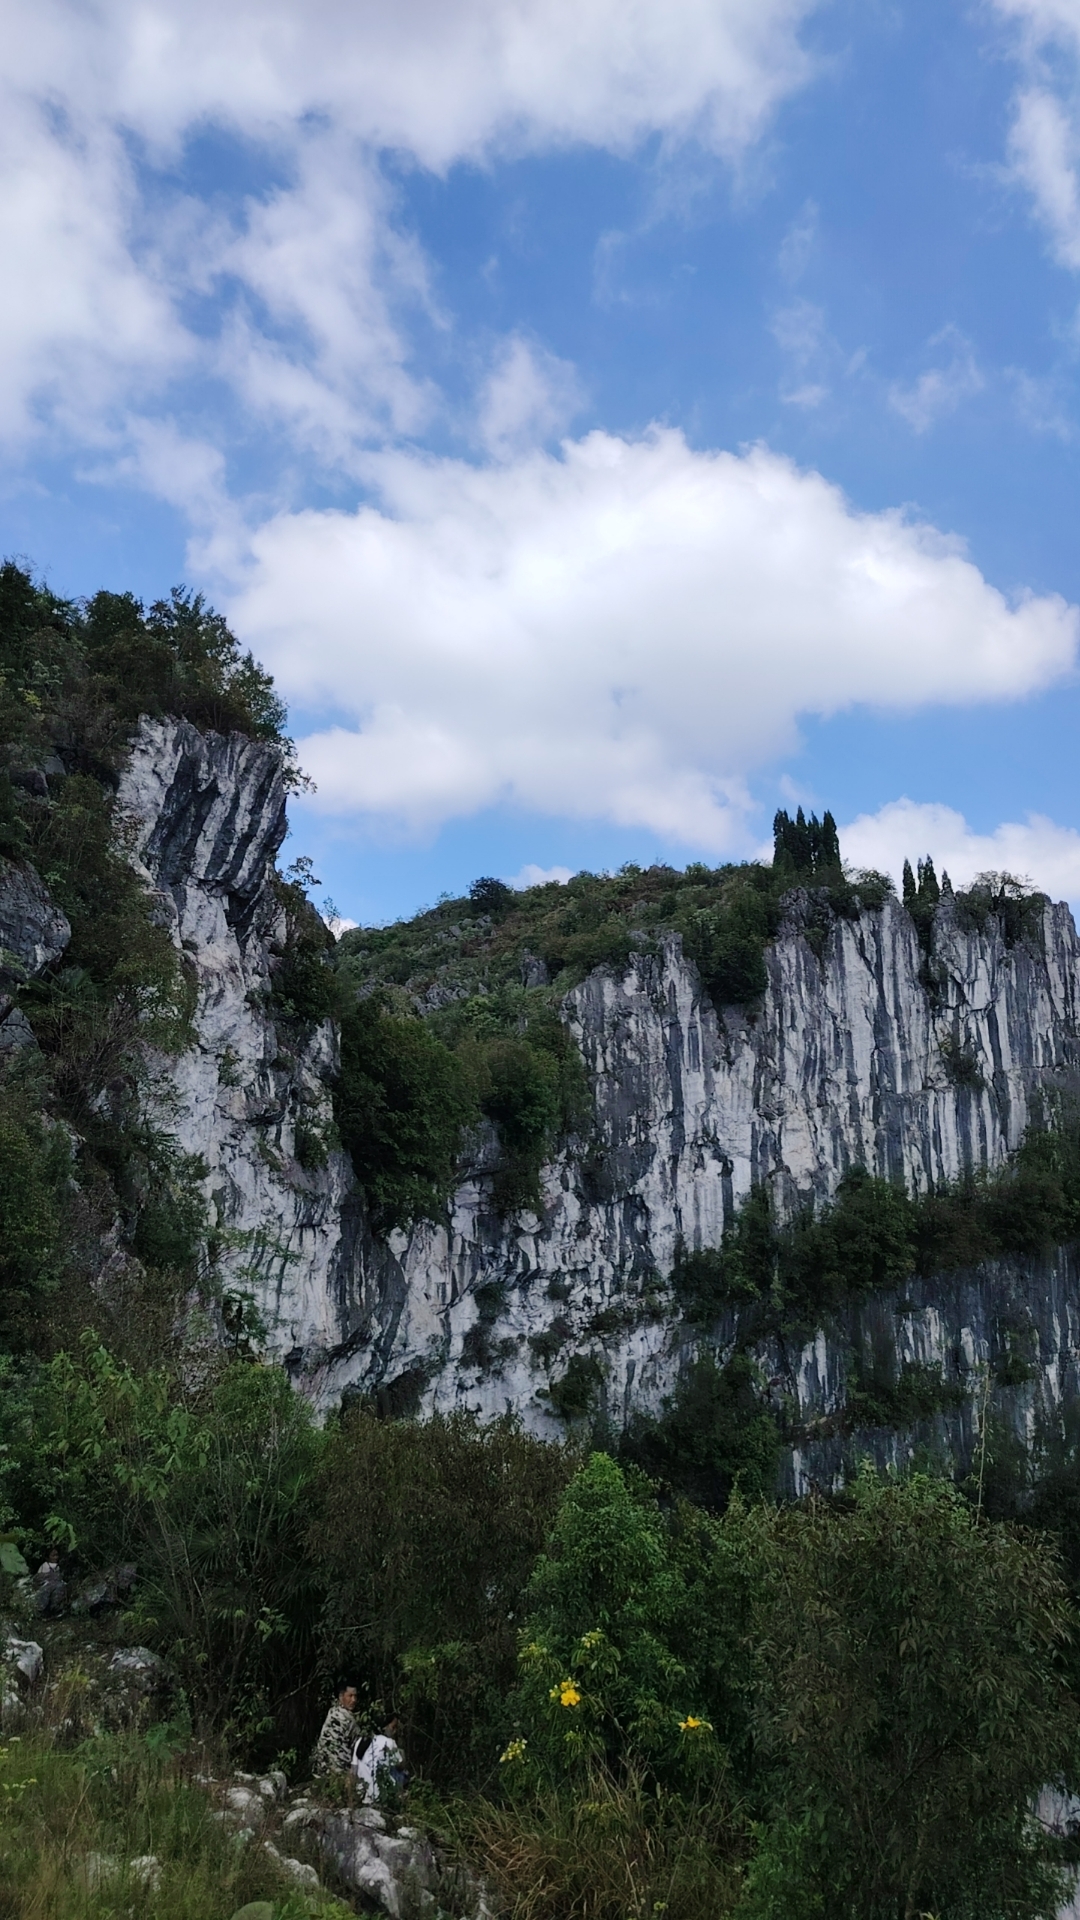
[[73, 1822], [609, 1850]]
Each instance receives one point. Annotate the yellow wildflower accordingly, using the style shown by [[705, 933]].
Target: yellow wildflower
[[566, 1694], [692, 1724], [515, 1751]]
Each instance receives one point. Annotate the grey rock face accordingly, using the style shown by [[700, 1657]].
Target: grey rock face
[[849, 1059], [859, 1053], [207, 816], [33, 932], [397, 1872]]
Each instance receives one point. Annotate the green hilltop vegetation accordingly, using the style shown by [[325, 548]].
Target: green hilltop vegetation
[[631, 1682]]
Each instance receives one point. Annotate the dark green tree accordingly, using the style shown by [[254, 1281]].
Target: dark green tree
[[911, 1704]]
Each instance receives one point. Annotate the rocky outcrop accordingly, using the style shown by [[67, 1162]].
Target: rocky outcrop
[[33, 931], [851, 1058], [861, 1052], [33, 935], [207, 817]]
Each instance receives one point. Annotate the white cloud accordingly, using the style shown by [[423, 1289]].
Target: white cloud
[[439, 79], [1036, 849], [533, 876], [80, 322], [528, 397], [623, 632], [1043, 153], [1044, 136], [939, 390], [316, 278]]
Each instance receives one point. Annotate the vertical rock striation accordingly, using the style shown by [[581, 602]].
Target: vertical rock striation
[[862, 1052]]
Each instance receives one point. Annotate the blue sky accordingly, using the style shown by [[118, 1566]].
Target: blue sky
[[608, 421]]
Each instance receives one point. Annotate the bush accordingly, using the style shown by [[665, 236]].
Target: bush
[[403, 1104], [426, 1536], [714, 1436], [35, 1175], [305, 988], [910, 1706], [629, 1649], [519, 1091], [206, 1486]]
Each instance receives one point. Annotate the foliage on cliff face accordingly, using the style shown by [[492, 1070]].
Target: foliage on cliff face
[[74, 679], [873, 1236], [487, 975], [725, 915]]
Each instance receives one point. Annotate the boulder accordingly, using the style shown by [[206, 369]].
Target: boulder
[[104, 1590], [25, 1658], [297, 1871], [21, 1665], [398, 1872], [146, 1869], [136, 1686]]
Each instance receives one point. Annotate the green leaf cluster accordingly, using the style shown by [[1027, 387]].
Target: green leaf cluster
[[203, 1483], [909, 1704]]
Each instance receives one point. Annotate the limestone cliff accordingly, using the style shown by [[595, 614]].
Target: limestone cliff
[[857, 1054]]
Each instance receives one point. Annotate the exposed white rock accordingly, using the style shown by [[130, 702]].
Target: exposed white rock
[[398, 1872], [23, 1658], [145, 1869], [851, 1058]]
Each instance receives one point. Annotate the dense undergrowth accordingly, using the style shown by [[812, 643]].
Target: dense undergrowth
[[617, 1703]]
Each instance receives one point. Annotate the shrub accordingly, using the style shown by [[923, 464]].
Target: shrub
[[206, 1486], [402, 1104], [574, 1396], [714, 1436], [426, 1535], [304, 987], [519, 1091], [909, 1694], [629, 1650], [35, 1174]]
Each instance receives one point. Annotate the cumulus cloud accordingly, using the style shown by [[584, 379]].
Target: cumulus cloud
[[439, 79], [102, 254], [80, 321], [1035, 849], [1043, 154], [624, 631]]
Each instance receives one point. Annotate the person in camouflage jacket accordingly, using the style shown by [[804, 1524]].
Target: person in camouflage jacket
[[340, 1733]]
